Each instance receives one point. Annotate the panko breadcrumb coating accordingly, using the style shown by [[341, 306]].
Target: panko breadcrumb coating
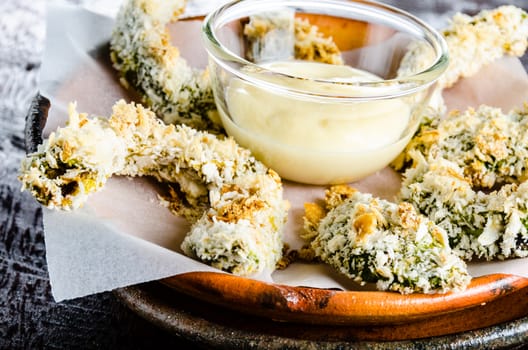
[[469, 176], [309, 43], [312, 45], [270, 36], [373, 240], [146, 60], [238, 208], [474, 42], [467, 171]]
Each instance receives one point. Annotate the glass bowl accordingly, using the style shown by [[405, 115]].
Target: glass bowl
[[316, 122]]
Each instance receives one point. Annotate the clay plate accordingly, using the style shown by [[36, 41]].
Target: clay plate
[[332, 315], [373, 315], [220, 328]]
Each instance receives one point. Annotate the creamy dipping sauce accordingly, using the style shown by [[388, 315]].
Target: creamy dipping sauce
[[311, 141]]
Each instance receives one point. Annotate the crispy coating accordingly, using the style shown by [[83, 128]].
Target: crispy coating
[[146, 61], [479, 40], [467, 171], [470, 178], [371, 240], [473, 42], [235, 201], [337, 194], [312, 45], [271, 32], [270, 36]]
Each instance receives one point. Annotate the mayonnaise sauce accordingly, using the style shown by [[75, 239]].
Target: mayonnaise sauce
[[316, 142]]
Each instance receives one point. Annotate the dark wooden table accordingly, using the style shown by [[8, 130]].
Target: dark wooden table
[[29, 318]]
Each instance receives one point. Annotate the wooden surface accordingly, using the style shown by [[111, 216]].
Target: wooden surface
[[29, 318]]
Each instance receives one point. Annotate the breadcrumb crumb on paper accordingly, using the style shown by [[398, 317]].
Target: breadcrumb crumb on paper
[[474, 42], [147, 61]]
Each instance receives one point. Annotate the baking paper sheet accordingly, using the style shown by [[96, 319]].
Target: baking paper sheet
[[123, 236]]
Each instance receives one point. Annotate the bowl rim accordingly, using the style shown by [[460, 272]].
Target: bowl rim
[[404, 86]]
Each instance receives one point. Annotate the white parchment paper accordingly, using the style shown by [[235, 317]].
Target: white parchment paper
[[123, 236]]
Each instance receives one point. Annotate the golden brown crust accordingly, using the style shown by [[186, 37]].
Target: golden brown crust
[[337, 194], [313, 213], [312, 45]]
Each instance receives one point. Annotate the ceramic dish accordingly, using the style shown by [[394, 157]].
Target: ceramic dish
[[489, 300], [361, 315], [220, 328]]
